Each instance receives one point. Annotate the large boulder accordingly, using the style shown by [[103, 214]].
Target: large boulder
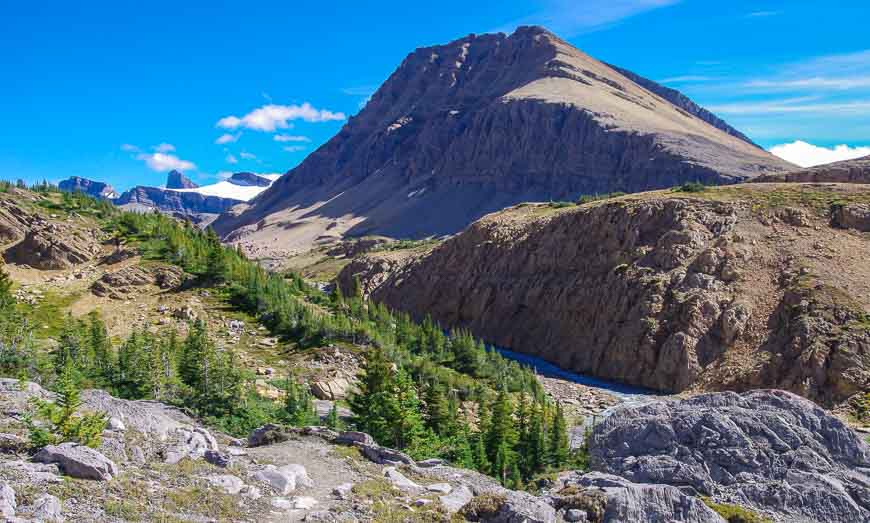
[[47, 508], [609, 498], [768, 450], [284, 479], [78, 461]]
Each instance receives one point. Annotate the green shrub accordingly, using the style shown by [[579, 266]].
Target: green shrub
[[561, 205], [691, 187], [734, 513], [588, 198]]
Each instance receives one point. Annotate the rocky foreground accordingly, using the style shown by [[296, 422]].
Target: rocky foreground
[[769, 452], [735, 288]]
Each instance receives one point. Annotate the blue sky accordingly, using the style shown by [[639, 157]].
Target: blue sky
[[122, 91]]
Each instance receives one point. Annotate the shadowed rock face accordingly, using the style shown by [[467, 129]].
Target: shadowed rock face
[[769, 450], [90, 187], [177, 180], [249, 179], [662, 291], [488, 121]]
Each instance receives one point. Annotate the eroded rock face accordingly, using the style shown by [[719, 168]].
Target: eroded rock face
[[89, 187], [847, 171], [167, 200], [54, 246], [177, 180], [666, 292], [770, 450], [852, 216]]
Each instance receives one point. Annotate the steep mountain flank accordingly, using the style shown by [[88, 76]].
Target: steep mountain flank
[[482, 123], [847, 171], [91, 187], [732, 288], [249, 179], [177, 180]]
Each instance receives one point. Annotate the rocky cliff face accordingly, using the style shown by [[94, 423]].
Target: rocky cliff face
[[184, 203], [91, 187], [848, 171], [485, 122], [735, 288], [177, 180]]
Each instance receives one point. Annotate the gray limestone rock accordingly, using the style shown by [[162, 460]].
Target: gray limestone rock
[[78, 461]]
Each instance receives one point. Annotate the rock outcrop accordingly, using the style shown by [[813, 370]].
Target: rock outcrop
[[847, 171], [421, 158], [89, 187], [177, 180], [54, 245], [769, 450], [732, 289], [607, 498]]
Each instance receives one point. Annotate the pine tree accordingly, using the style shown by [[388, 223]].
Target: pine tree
[[101, 350], [437, 412], [298, 404], [559, 444], [333, 421]]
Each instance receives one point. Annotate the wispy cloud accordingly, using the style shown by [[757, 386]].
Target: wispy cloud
[[818, 82], [796, 105], [165, 162], [763, 14], [129, 148], [231, 159], [293, 148], [572, 17], [164, 148], [228, 138], [290, 138], [271, 117], [689, 78], [808, 155], [247, 155]]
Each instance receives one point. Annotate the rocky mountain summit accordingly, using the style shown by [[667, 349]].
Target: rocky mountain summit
[[249, 179], [90, 187], [183, 204], [734, 288], [177, 180], [767, 451], [485, 122]]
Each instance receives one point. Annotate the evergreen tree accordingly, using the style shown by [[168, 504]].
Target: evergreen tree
[[559, 444], [298, 404], [437, 411], [333, 421], [7, 300]]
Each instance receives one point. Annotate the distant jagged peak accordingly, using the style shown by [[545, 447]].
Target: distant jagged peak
[[249, 179], [177, 180]]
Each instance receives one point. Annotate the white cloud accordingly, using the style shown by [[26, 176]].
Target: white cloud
[[247, 156], [164, 147], [289, 138], [794, 105], [817, 82], [572, 17], [231, 159], [224, 175], [165, 162], [808, 155], [227, 138], [271, 117], [129, 148], [294, 148]]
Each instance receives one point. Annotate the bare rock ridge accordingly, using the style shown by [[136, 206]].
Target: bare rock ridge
[[847, 171], [177, 180], [485, 122], [90, 187], [167, 200], [758, 285]]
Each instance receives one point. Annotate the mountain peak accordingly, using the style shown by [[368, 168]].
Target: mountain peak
[[177, 180]]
